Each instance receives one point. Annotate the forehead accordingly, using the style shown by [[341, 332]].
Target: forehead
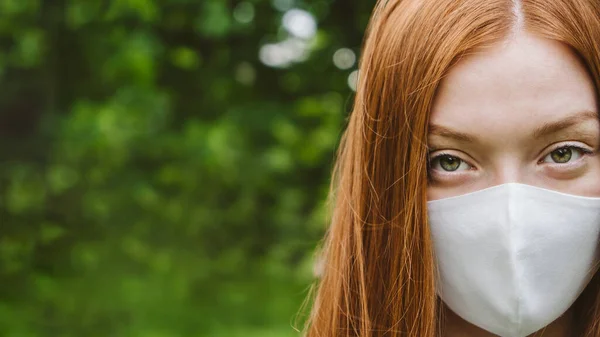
[[512, 87]]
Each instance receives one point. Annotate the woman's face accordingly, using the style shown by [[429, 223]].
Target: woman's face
[[523, 111]]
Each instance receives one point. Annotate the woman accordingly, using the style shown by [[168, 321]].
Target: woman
[[466, 196]]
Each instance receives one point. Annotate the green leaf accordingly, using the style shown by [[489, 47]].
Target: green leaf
[[214, 20], [50, 232], [185, 58]]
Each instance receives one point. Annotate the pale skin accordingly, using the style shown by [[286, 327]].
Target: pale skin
[[524, 110]]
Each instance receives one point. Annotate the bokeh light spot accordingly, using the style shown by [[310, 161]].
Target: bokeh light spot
[[344, 58], [244, 12], [283, 5], [353, 80], [300, 23]]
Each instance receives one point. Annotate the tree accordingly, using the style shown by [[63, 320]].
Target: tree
[[163, 169]]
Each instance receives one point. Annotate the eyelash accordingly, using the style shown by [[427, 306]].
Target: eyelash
[[583, 150]]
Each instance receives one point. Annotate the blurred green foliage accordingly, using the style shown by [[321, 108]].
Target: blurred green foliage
[[157, 179]]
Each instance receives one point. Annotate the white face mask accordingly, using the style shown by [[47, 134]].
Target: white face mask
[[513, 258]]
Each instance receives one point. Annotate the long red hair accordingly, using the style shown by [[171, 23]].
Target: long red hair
[[378, 276]]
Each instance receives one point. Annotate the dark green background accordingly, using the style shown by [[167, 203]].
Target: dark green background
[[156, 179]]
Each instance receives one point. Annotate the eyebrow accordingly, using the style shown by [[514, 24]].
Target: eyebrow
[[443, 131], [553, 127], [544, 130]]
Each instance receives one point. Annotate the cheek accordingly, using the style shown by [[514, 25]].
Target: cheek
[[588, 184], [435, 193], [440, 192]]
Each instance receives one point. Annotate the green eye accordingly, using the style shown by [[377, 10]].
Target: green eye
[[449, 163], [562, 155], [446, 163], [566, 154]]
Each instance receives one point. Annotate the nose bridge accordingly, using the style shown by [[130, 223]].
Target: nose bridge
[[508, 170]]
